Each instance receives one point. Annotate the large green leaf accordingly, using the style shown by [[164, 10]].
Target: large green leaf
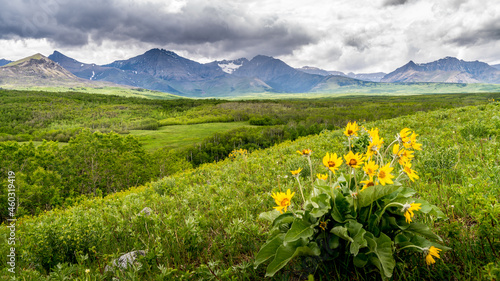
[[300, 229], [285, 253], [430, 209], [321, 205], [340, 208], [357, 233], [373, 193], [342, 232], [268, 250], [423, 230], [283, 218], [269, 216], [381, 254]]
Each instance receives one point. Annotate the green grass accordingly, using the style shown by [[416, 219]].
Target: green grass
[[124, 91], [180, 136], [205, 223]]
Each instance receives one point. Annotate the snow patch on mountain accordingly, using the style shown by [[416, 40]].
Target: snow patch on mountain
[[229, 67]]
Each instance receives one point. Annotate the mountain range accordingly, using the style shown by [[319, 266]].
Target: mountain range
[[165, 71], [449, 70], [373, 77]]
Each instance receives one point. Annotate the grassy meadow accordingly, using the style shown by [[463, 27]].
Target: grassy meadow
[[204, 222], [181, 136]]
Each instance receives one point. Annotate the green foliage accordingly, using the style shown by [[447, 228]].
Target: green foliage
[[348, 226], [92, 164], [203, 225]]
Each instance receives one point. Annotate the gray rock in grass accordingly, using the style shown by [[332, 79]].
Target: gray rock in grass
[[125, 260]]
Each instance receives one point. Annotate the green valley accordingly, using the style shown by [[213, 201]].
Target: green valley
[[80, 197]]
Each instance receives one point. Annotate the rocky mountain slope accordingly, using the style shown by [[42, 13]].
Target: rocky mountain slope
[[449, 70]]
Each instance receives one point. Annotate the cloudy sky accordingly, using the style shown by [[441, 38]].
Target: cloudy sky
[[344, 35]]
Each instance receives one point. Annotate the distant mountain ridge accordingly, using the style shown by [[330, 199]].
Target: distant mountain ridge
[[449, 70], [373, 77], [40, 71], [163, 70], [4, 62], [166, 71]]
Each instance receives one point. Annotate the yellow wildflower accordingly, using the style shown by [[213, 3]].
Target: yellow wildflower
[[322, 176], [322, 225], [283, 200], [411, 173], [367, 183], [433, 251], [353, 160], [384, 175], [332, 162], [403, 134], [351, 129], [408, 210], [374, 146], [296, 173], [411, 142], [305, 152], [370, 168], [373, 133]]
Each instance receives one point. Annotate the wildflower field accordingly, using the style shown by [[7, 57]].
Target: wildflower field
[[410, 198]]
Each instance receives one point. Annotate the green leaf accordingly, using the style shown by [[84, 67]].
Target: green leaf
[[322, 205], [423, 230], [381, 254], [268, 250], [334, 242], [430, 209], [340, 207], [300, 229], [285, 253], [357, 233], [269, 216], [283, 218], [373, 193], [360, 260], [342, 232]]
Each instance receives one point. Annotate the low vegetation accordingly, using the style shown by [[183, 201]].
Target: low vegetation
[[204, 222]]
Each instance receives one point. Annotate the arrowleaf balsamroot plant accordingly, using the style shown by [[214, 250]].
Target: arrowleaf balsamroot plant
[[365, 217]]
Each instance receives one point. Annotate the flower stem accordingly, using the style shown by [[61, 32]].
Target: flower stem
[[310, 168], [300, 188]]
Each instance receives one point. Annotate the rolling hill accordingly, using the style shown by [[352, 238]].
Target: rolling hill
[[40, 73]]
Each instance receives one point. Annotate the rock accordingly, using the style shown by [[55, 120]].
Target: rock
[[146, 211], [123, 261]]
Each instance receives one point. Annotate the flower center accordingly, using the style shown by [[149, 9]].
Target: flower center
[[349, 132], [353, 162], [331, 164], [381, 174], [285, 202], [370, 184]]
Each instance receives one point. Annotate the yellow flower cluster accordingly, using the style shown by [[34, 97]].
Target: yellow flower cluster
[[377, 171], [238, 152]]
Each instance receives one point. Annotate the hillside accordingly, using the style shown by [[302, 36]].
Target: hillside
[[38, 72], [205, 222]]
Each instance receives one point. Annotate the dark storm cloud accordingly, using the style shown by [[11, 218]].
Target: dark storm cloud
[[489, 31], [395, 2], [356, 42], [75, 23]]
